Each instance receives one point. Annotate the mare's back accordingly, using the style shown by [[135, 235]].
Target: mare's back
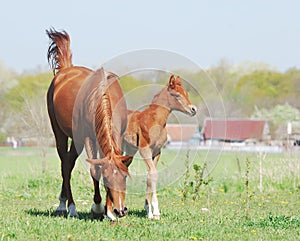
[[67, 84]]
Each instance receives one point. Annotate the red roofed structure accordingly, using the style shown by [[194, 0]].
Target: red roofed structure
[[233, 130]]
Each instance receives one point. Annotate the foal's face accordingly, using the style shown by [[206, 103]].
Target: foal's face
[[178, 97], [114, 180]]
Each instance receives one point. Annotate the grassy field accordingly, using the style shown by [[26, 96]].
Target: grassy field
[[243, 196]]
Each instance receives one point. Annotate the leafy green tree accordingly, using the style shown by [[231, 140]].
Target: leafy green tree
[[7, 81], [243, 90], [32, 86], [263, 89], [278, 117], [294, 98], [26, 103]]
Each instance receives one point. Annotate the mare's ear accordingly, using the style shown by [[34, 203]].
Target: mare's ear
[[97, 161], [171, 82]]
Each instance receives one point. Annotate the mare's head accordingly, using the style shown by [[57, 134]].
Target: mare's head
[[178, 98], [114, 173], [104, 96]]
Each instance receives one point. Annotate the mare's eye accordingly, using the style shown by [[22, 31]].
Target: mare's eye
[[176, 95]]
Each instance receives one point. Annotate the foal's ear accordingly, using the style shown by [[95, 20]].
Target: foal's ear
[[172, 82]]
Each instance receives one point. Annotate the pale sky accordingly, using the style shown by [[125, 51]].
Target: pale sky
[[265, 31]]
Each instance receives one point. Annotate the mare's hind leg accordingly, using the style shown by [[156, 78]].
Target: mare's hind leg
[[68, 159], [67, 168], [97, 210], [62, 149]]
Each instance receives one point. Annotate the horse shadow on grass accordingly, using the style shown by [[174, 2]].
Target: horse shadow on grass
[[140, 213], [51, 214]]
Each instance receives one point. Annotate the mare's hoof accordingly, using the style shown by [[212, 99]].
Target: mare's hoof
[[73, 215], [156, 217], [97, 216], [60, 213], [72, 211]]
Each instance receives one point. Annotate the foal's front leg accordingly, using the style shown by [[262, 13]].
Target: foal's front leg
[[156, 213], [151, 184]]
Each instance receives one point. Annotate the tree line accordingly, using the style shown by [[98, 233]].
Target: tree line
[[252, 91]]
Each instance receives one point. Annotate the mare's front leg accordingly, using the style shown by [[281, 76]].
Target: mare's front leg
[[152, 177], [97, 210]]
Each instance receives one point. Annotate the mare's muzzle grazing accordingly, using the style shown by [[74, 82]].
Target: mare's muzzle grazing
[[121, 213]]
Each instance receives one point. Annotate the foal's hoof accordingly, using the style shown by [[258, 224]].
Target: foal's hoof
[[97, 216], [156, 217], [60, 213]]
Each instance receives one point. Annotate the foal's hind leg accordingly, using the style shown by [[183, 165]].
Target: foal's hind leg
[[97, 210]]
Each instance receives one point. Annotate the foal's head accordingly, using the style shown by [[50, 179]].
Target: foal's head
[[178, 98]]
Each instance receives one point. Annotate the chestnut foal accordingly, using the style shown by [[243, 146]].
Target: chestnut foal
[[146, 132]]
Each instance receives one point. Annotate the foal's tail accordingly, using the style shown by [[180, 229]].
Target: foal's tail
[[59, 54]]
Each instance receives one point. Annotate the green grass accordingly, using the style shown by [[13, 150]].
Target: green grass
[[28, 197]]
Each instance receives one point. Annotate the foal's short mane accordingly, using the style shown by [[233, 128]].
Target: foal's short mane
[[59, 53], [100, 107], [155, 97], [173, 83]]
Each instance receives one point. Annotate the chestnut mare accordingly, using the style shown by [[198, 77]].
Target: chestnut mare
[[88, 107], [146, 132]]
